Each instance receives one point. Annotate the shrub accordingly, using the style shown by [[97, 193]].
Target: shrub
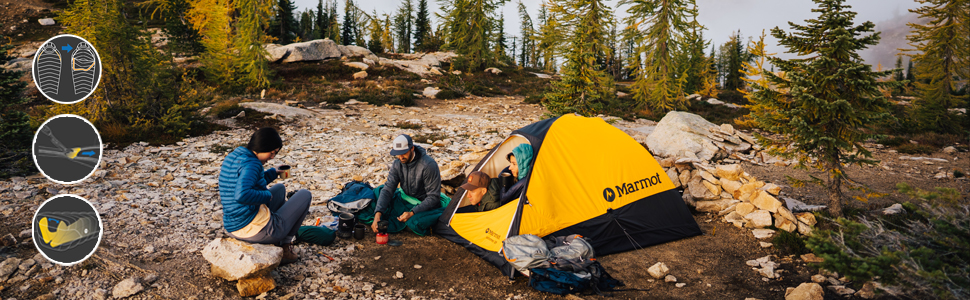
[[910, 148], [789, 242], [449, 94], [923, 253]]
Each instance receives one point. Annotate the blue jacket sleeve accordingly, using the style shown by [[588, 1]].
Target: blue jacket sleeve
[[270, 175], [513, 192], [432, 183], [390, 187], [246, 192]]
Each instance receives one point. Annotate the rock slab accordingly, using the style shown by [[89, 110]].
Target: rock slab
[[126, 288], [249, 287], [232, 259], [806, 291], [681, 134]]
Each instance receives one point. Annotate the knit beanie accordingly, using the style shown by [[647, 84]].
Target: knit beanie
[[265, 139]]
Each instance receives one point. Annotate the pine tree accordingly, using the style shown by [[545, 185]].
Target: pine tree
[[14, 122], [306, 25], [527, 36], [468, 24], [584, 88], [350, 24], [183, 39], [550, 38], [501, 45], [822, 118], [898, 71], [403, 24], [942, 53], [321, 22], [284, 26], [695, 61], [661, 84], [334, 28], [422, 26], [709, 76], [733, 59], [631, 48]]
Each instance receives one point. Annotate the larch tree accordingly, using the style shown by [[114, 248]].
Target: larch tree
[[585, 87], [403, 26], [660, 83], [824, 103], [550, 37], [422, 26], [251, 62], [941, 51], [469, 24], [213, 21], [694, 59], [283, 26]]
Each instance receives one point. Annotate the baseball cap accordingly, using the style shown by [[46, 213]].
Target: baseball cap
[[477, 179], [401, 144]]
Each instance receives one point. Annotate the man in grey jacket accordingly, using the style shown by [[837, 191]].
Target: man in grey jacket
[[418, 176]]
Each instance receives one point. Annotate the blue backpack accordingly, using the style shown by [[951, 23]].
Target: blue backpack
[[593, 279]]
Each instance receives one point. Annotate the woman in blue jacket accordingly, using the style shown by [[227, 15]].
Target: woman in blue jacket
[[520, 160], [250, 211]]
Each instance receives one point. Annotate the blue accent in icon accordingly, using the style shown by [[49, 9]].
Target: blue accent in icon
[[67, 48]]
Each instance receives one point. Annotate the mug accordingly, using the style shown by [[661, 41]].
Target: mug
[[359, 231], [283, 171]]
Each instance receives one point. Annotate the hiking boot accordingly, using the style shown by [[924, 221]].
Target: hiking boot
[[288, 255]]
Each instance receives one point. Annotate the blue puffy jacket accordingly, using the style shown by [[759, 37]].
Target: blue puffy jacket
[[242, 188]]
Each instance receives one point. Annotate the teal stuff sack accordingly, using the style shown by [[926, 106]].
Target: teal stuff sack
[[316, 235]]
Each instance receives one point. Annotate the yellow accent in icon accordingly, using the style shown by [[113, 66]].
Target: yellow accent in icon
[[82, 68], [65, 233], [74, 153]]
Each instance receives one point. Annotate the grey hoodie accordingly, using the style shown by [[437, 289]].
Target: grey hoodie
[[420, 178]]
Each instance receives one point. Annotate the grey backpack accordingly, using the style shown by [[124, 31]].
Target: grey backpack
[[525, 252]]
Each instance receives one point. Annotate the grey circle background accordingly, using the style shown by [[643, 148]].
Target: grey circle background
[[67, 203], [72, 131], [65, 90]]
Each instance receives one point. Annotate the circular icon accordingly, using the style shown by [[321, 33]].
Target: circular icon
[[609, 195], [66, 229], [66, 69], [67, 149]]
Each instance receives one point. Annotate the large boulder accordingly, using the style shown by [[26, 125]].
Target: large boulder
[[276, 52], [233, 259], [683, 135], [311, 51], [355, 51]]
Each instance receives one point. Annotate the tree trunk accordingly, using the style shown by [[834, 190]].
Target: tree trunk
[[835, 186]]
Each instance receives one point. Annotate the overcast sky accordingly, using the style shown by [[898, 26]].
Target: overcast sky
[[721, 17]]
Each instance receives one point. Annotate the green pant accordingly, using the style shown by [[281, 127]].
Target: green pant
[[420, 223]]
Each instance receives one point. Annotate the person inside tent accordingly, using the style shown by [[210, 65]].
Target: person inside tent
[[520, 159], [482, 192], [251, 212], [419, 201]]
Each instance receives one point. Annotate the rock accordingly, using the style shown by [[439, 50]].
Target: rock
[[360, 75], [746, 190], [398, 275], [452, 170], [841, 290], [785, 224], [715, 189], [727, 129], [730, 186], [699, 191], [729, 172], [772, 188], [680, 285], [430, 92], [46, 21], [417, 266], [620, 94], [868, 290], [682, 135], [279, 109], [765, 201], [353, 51], [744, 208], [762, 233], [893, 209], [494, 71], [713, 206], [758, 219], [818, 278], [232, 259], [785, 213], [950, 150], [807, 218], [8, 240], [735, 218], [358, 65], [811, 258], [276, 53], [311, 51], [804, 229], [353, 102], [658, 270], [672, 173], [8, 266], [126, 288], [765, 245], [249, 287], [670, 278]]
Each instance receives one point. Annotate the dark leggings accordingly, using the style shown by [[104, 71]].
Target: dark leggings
[[285, 219]]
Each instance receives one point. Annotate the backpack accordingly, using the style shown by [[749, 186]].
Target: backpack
[[354, 197], [525, 252], [572, 269]]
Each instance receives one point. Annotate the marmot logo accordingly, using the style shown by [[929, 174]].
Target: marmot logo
[[609, 194]]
